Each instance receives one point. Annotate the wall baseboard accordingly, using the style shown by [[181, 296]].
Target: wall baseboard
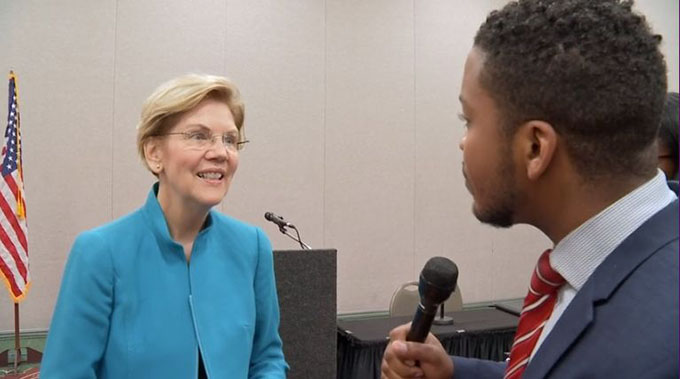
[[23, 334]]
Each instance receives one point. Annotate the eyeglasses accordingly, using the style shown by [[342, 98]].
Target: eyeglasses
[[202, 140]]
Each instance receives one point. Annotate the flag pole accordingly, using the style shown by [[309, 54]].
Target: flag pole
[[17, 343], [17, 335]]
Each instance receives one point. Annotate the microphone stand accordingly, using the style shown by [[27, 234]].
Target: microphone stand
[[442, 320], [303, 245]]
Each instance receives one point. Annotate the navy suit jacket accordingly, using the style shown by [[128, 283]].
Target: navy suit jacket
[[623, 323]]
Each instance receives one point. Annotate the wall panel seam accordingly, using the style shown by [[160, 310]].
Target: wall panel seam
[[113, 106], [415, 147], [324, 123]]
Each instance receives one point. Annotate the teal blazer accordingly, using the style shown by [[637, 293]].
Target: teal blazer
[[131, 307]]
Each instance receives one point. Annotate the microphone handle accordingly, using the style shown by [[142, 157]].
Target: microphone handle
[[420, 327]]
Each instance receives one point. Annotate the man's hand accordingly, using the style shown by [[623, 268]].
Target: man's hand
[[399, 360]]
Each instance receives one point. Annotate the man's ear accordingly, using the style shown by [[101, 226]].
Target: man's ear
[[153, 156], [536, 142]]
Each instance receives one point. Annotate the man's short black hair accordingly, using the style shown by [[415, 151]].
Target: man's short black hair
[[591, 68], [668, 133]]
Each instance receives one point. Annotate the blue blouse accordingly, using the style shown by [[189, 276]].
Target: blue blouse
[[131, 307]]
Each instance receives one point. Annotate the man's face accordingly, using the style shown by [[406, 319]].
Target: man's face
[[487, 155]]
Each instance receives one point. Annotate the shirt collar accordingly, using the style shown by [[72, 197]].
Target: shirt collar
[[577, 255]]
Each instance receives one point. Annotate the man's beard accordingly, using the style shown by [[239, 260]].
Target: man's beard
[[501, 211]]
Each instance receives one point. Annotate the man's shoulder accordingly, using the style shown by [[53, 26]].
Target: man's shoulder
[[628, 307], [649, 253], [659, 237]]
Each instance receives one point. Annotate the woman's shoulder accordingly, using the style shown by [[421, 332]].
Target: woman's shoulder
[[223, 221], [124, 225], [231, 227]]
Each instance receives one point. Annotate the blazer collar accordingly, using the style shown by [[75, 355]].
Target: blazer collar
[[156, 220], [633, 251]]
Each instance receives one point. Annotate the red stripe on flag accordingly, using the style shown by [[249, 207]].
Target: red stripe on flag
[[12, 184], [10, 279], [14, 188], [12, 219], [4, 238]]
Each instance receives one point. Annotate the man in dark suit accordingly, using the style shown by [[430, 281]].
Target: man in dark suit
[[562, 102], [668, 137]]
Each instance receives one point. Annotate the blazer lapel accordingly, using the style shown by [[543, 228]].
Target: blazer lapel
[[575, 319], [645, 241]]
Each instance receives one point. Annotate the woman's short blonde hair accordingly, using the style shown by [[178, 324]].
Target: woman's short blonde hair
[[172, 99]]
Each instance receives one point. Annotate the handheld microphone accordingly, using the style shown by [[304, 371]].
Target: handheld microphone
[[437, 281], [277, 220]]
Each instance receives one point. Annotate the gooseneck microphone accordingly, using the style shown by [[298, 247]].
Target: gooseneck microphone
[[437, 281], [283, 224], [276, 220]]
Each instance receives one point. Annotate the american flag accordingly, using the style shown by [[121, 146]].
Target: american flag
[[13, 228]]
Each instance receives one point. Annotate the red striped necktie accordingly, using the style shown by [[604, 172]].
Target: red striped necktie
[[538, 305]]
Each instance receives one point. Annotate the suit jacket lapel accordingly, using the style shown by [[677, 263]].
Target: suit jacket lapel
[[575, 319], [634, 250]]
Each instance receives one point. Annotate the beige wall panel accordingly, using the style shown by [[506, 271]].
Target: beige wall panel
[[64, 62], [275, 51], [370, 148], [443, 219], [663, 17], [156, 41]]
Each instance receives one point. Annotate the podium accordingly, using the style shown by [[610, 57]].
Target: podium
[[306, 285]]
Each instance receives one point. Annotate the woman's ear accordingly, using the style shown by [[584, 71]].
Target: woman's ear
[[153, 156], [537, 142]]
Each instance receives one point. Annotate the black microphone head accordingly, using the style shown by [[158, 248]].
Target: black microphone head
[[269, 216], [437, 281]]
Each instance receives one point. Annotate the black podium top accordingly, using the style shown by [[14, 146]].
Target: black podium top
[[377, 330]]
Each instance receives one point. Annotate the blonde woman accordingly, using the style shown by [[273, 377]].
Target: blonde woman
[[174, 289]]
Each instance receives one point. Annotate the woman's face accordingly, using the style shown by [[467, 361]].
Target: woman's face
[[191, 175]]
